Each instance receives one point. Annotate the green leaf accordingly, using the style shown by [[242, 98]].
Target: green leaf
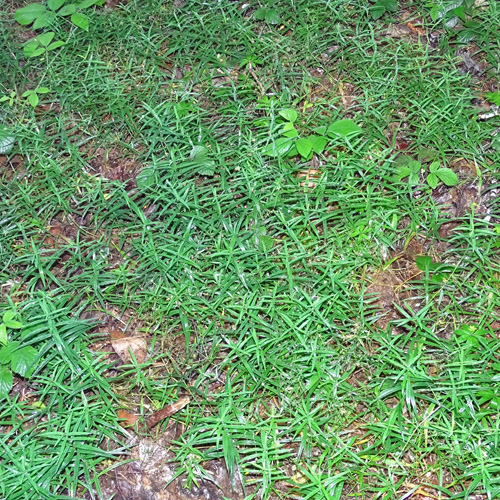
[[5, 381], [432, 180], [86, 4], [197, 151], [45, 38], [304, 147], [146, 178], [55, 4], [447, 176], [3, 334], [279, 147], [10, 322], [33, 99], [414, 179], [7, 140], [390, 5], [493, 97], [424, 262], [343, 128], [6, 352], [35, 52], [434, 13], [402, 172], [318, 143], [272, 16], [414, 166], [289, 114], [26, 15], [80, 20], [260, 14], [426, 154], [23, 361], [377, 11], [265, 243], [434, 167], [289, 130], [56, 45], [42, 90], [206, 167], [44, 20], [68, 10], [402, 160]]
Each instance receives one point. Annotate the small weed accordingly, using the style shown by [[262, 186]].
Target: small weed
[[14, 356], [381, 7], [413, 169], [290, 143]]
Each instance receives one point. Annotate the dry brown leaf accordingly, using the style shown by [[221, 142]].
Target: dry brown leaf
[[123, 347], [129, 419]]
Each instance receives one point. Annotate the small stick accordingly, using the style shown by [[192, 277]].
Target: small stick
[[166, 411], [255, 77]]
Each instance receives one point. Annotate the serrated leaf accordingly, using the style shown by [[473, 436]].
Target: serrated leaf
[[80, 20], [447, 176], [432, 180], [426, 154], [343, 128], [402, 160], [26, 15], [304, 147], [289, 114], [279, 147], [318, 143], [7, 140], [6, 352], [206, 168], [67, 10], [272, 16], [5, 381], [23, 360], [414, 166], [55, 4], [45, 38], [146, 178]]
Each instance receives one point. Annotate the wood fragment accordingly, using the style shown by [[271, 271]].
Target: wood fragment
[[166, 411]]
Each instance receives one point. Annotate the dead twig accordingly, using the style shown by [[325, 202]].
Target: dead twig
[[166, 411]]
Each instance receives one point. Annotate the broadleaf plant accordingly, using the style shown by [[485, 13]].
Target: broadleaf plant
[[292, 143], [14, 356]]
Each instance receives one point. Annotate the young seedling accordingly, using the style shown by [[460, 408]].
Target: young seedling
[[408, 168], [290, 143], [14, 357]]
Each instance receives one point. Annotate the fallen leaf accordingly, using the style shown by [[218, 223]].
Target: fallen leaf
[[123, 347], [129, 419]]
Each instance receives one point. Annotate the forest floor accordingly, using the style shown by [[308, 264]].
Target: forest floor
[[254, 248]]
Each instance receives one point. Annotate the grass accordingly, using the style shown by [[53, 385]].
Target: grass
[[267, 283]]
